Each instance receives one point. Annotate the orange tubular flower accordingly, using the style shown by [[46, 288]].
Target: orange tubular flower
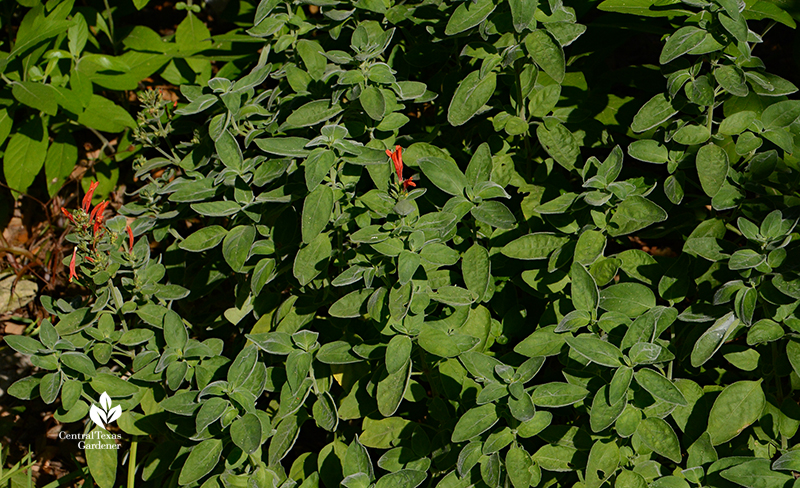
[[130, 238], [97, 215], [72, 273], [397, 159], [87, 199], [67, 214]]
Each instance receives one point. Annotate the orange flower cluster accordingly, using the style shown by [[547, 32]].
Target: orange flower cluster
[[397, 159], [96, 220]]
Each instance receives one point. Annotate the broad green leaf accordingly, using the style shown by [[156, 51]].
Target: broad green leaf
[[472, 94], [542, 342], [216, 209], [102, 458], [337, 352], [317, 166], [547, 53], [175, 334], [596, 350], [626, 478], [518, 466], [605, 413], [732, 79], [631, 299], [23, 344], [317, 209], [559, 143], [712, 339], [313, 57], [25, 154], [781, 114], [738, 406], [36, 95], [398, 353], [284, 146], [444, 174], [603, 462], [453, 296], [495, 214], [557, 458], [649, 151], [357, 460], [468, 15], [325, 413], [619, 384], [712, 168], [633, 214], [405, 478], [788, 462], [313, 113], [383, 433], [312, 259], [534, 246], [659, 386], [263, 273], [590, 247], [558, 394], [439, 343], [585, 295], [737, 123], [236, 246], [479, 168], [246, 432], [659, 436], [373, 102], [79, 362], [643, 8], [745, 259], [756, 473], [766, 330], [229, 151], [62, 156], [476, 269], [210, 412], [201, 460], [692, 134], [192, 35], [284, 438], [242, 367], [474, 422], [657, 110], [522, 16], [204, 239], [351, 305], [50, 386], [681, 42], [104, 115], [391, 390]]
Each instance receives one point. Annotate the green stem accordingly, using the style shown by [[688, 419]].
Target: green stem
[[132, 463], [520, 101], [111, 26], [710, 120]]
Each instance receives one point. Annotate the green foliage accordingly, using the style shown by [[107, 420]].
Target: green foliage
[[69, 68], [295, 306]]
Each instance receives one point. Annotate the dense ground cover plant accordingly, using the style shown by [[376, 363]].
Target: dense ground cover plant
[[66, 70], [442, 244]]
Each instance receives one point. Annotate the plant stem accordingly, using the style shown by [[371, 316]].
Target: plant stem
[[111, 26], [132, 463]]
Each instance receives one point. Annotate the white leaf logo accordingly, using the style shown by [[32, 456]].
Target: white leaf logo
[[105, 415]]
